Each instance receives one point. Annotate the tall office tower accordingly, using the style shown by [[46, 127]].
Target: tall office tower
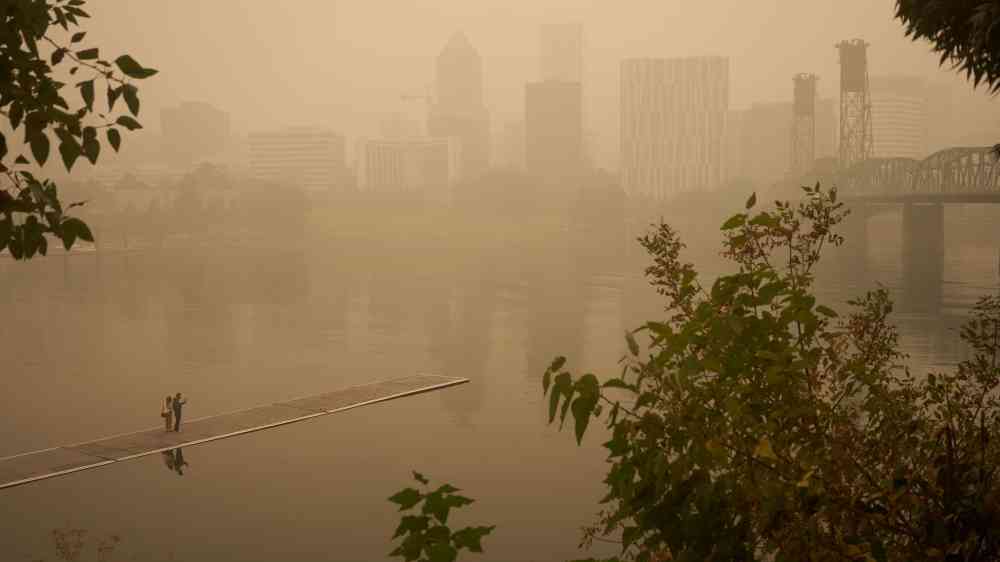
[[192, 132], [803, 124], [309, 158], [673, 115], [553, 126], [458, 110], [899, 116], [855, 103], [510, 151], [560, 52], [734, 167]]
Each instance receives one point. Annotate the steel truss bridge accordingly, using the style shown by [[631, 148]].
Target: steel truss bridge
[[953, 175]]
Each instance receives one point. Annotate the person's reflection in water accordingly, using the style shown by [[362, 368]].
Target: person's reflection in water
[[174, 459]]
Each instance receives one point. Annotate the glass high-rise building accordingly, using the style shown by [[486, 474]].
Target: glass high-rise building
[[673, 117]]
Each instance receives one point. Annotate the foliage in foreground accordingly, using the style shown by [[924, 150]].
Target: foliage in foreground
[[964, 33], [40, 46], [757, 424], [425, 535]]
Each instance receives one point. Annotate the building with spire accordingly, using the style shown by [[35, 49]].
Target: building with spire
[[458, 110]]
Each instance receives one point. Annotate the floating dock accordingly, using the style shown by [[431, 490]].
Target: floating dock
[[48, 463]]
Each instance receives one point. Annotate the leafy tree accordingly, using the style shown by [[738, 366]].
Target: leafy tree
[[759, 425], [962, 32], [426, 537], [755, 423], [42, 44]]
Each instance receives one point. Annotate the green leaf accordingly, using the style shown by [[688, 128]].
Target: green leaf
[[406, 498], [77, 37], [557, 363], [87, 54], [633, 347], [16, 113], [57, 56], [734, 221], [825, 311], [87, 91], [128, 122], [40, 148], [411, 524], [114, 138], [447, 489], [79, 227], [471, 537], [764, 449], [618, 383], [70, 150], [420, 478], [752, 200], [113, 95], [131, 95], [562, 384], [133, 69], [441, 552], [583, 409], [91, 150]]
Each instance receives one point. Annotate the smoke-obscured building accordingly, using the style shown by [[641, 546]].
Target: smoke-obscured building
[[509, 151], [553, 117], [458, 110], [425, 166], [673, 115], [899, 116], [193, 132], [309, 158], [560, 52], [959, 115], [759, 140]]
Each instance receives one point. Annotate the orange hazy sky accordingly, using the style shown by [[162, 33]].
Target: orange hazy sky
[[345, 63]]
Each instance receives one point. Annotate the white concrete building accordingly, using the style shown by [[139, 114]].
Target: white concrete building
[[310, 158], [673, 115]]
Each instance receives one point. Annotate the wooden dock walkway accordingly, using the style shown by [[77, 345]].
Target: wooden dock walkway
[[38, 465]]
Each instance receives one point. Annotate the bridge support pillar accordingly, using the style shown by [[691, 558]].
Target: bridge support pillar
[[849, 261], [923, 255]]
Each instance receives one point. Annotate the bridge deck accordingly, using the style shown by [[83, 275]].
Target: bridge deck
[[38, 465]]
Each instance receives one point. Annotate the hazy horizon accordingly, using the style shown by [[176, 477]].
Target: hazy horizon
[[345, 64]]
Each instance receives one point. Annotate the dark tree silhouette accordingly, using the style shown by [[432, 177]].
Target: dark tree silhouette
[[961, 31]]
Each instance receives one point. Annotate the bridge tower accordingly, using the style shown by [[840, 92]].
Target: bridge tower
[[803, 125], [856, 139]]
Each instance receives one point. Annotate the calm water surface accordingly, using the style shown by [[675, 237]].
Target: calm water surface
[[90, 347]]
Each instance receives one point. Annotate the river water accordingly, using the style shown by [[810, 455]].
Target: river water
[[90, 345]]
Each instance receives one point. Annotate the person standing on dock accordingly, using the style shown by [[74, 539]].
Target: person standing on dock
[[167, 413], [178, 404]]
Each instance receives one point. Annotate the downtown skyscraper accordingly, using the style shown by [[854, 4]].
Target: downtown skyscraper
[[458, 111], [673, 118]]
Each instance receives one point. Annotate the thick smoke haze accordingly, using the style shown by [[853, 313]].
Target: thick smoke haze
[[343, 64]]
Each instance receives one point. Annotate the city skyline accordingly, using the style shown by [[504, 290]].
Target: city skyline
[[322, 84]]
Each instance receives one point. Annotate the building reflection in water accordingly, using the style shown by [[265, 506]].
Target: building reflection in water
[[468, 345]]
